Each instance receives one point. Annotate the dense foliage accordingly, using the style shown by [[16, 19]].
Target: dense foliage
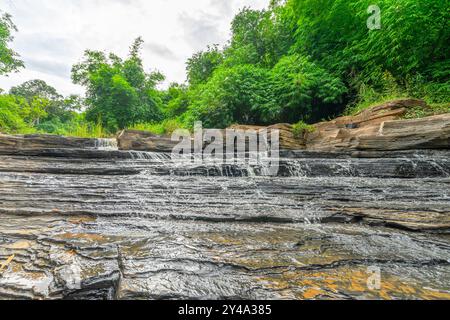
[[308, 60], [119, 92], [9, 60], [17, 115], [298, 61]]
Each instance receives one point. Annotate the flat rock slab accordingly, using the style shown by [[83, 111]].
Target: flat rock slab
[[144, 141], [85, 258], [43, 141]]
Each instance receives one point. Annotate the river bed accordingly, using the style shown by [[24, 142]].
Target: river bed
[[146, 228]]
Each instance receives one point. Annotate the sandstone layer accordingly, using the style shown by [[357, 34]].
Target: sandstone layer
[[43, 141], [380, 128], [144, 141]]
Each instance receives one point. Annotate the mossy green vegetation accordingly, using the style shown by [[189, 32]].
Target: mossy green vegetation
[[436, 95], [430, 110], [300, 128]]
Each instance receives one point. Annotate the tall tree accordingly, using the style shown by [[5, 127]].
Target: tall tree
[[413, 38], [57, 106], [9, 59], [35, 88], [202, 65], [119, 92], [261, 36]]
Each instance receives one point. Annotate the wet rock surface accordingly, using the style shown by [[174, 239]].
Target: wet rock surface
[[169, 230]]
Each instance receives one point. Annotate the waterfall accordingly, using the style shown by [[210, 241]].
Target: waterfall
[[154, 156], [306, 167], [297, 168], [106, 144], [362, 210]]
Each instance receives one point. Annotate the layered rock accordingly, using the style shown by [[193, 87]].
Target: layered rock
[[426, 133], [144, 141], [288, 141], [43, 141], [348, 196], [307, 164], [382, 128], [193, 236]]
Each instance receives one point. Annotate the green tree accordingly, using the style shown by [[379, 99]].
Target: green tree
[[303, 90], [201, 65], [35, 110], [9, 60], [17, 114], [11, 116], [119, 92], [58, 108], [232, 95], [261, 37], [413, 38], [176, 100], [35, 88]]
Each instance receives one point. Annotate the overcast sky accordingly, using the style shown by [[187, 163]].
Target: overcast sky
[[53, 34]]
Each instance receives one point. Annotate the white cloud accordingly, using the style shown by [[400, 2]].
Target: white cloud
[[53, 34]]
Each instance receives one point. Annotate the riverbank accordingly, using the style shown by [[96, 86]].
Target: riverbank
[[379, 128]]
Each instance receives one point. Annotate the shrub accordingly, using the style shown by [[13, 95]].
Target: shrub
[[166, 127], [13, 110], [300, 128]]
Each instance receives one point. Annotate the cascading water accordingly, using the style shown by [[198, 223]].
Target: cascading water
[[153, 156], [106, 144], [177, 228]]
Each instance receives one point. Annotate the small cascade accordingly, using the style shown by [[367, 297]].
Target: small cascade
[[344, 168], [106, 144], [297, 168], [438, 164], [153, 156]]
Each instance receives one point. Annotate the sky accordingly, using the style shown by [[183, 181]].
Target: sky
[[53, 34]]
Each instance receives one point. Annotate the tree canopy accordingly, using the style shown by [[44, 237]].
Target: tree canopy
[[296, 60], [309, 59], [119, 93], [9, 59]]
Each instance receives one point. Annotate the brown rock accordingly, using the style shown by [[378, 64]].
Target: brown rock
[[287, 139], [42, 141], [144, 141], [381, 128], [425, 220], [426, 133], [246, 127]]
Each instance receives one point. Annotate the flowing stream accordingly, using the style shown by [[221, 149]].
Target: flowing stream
[[136, 225]]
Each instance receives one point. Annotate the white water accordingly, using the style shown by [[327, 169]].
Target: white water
[[153, 156], [106, 144]]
